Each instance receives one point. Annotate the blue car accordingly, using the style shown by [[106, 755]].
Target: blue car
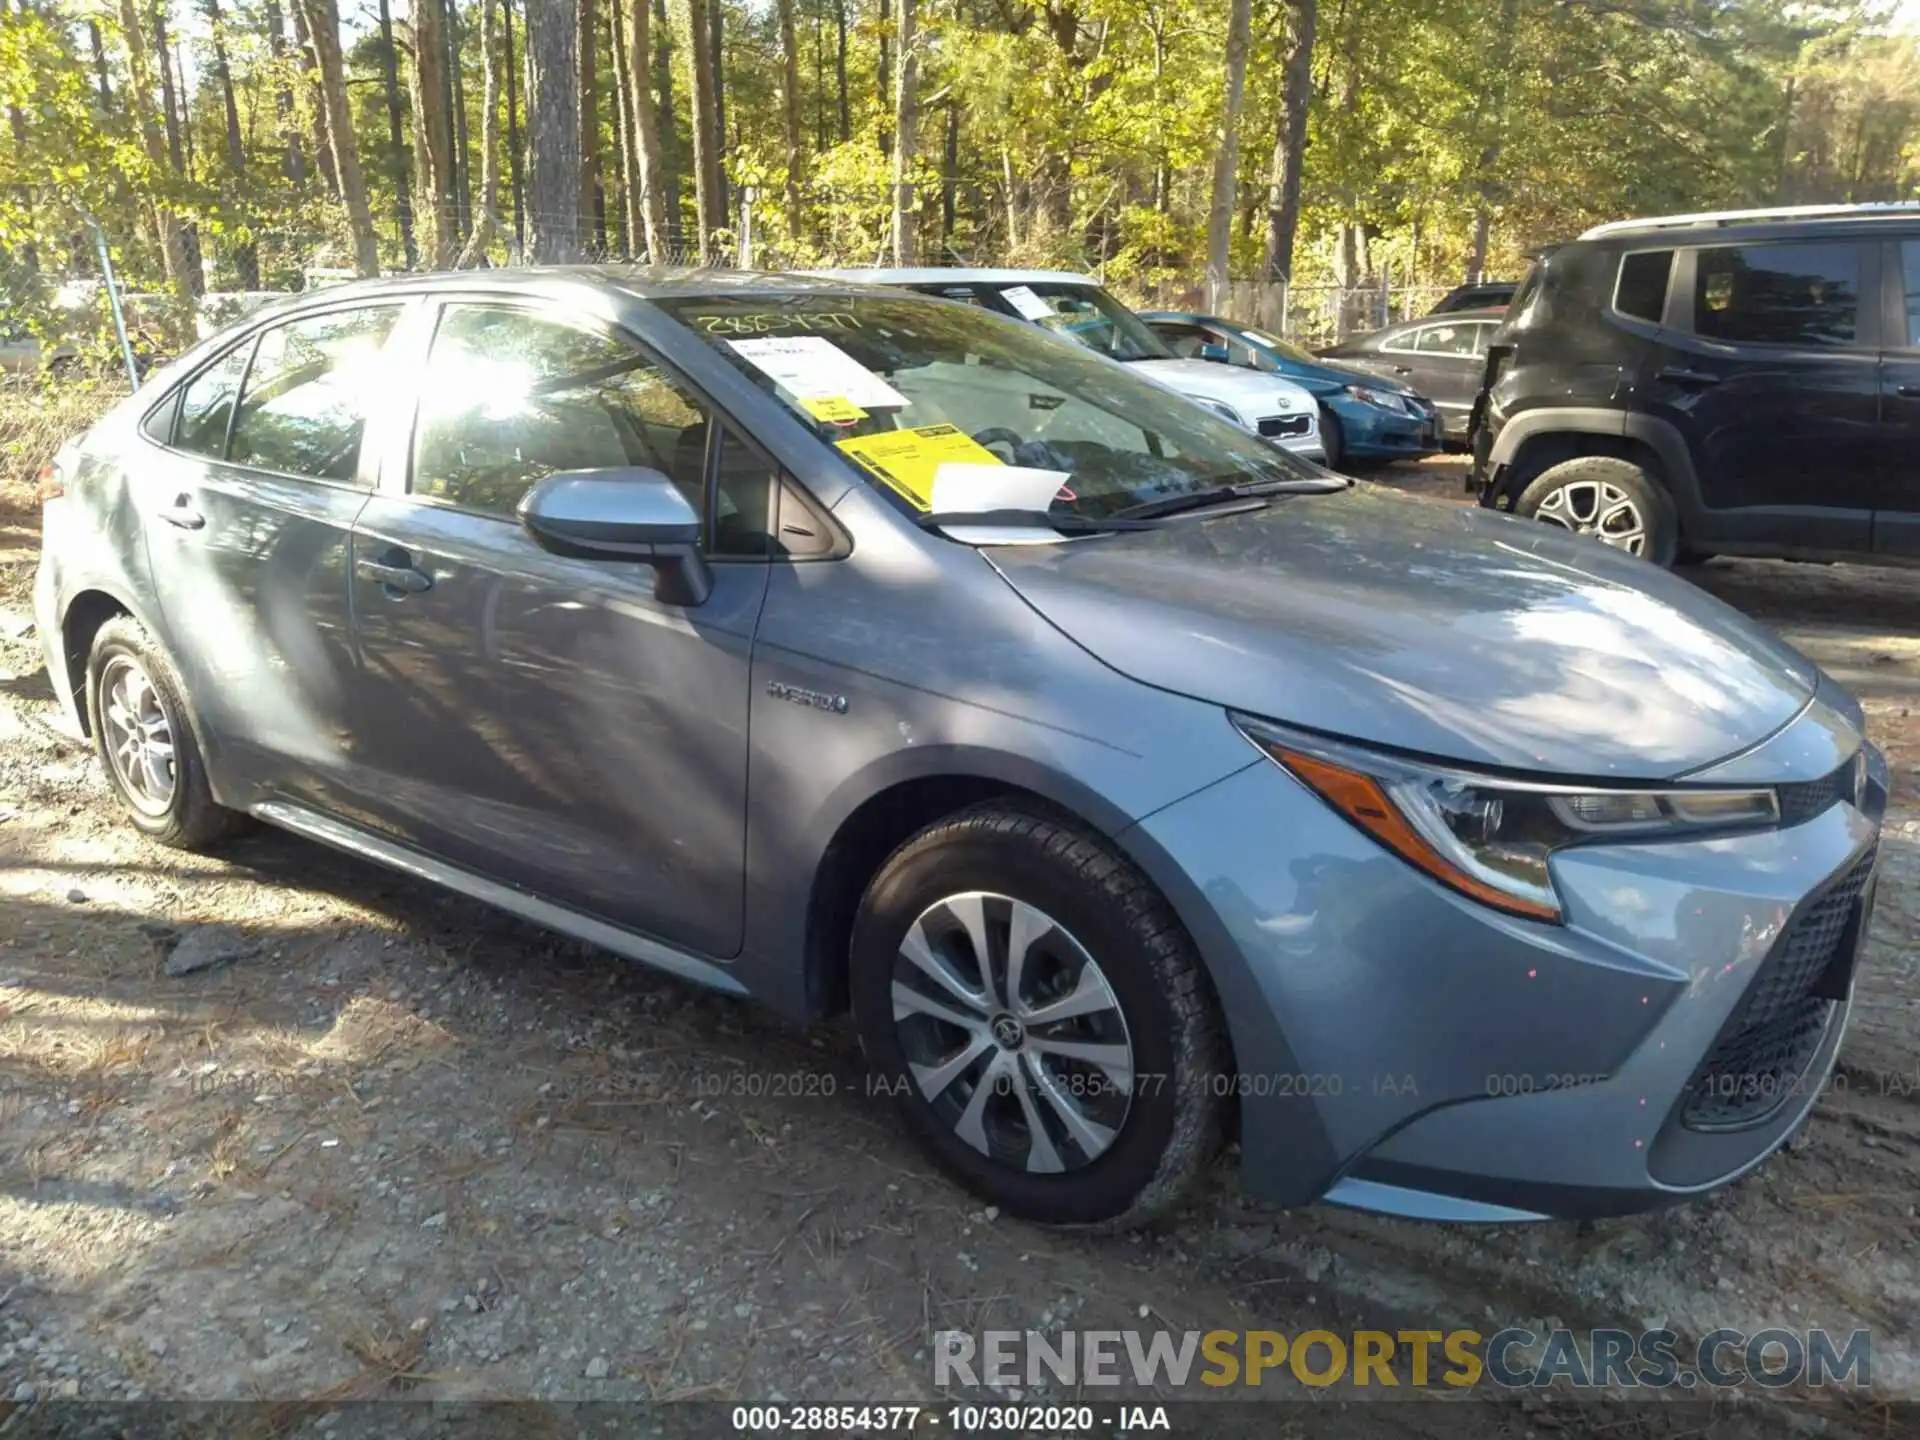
[[1364, 419]]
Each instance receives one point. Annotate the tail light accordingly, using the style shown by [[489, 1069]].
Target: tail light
[[51, 483]]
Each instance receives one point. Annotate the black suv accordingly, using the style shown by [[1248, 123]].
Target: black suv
[[1743, 384]]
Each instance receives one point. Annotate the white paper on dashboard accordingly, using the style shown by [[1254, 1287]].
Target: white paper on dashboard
[[814, 368], [960, 486], [1022, 298]]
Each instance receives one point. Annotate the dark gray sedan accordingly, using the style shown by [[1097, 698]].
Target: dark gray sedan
[[1130, 780]]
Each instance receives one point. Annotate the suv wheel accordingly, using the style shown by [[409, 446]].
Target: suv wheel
[[1039, 1016], [141, 731], [1615, 501]]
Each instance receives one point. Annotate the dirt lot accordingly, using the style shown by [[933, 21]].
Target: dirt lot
[[402, 1144]]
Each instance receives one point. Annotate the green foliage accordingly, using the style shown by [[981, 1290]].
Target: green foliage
[[1085, 131]]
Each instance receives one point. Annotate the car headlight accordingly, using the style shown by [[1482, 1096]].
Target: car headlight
[[1224, 411], [1367, 395], [1490, 837]]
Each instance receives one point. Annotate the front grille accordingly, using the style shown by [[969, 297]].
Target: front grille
[[1809, 798], [1757, 1062], [1272, 426]]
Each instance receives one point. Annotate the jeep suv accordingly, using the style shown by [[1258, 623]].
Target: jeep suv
[[1743, 383]]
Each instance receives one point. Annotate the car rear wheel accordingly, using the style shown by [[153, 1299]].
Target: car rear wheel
[[1610, 499], [1040, 1018], [141, 731]]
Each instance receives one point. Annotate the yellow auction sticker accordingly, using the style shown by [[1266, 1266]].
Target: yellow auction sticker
[[907, 460], [832, 408]]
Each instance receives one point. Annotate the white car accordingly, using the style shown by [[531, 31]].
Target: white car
[[1076, 308]]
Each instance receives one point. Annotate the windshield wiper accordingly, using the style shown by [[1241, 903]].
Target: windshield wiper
[[1228, 494], [1067, 524]]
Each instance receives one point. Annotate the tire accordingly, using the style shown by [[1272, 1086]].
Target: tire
[[1332, 438], [131, 686], [1113, 951], [1614, 500]]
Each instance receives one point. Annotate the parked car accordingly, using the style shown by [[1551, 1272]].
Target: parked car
[[1737, 383], [1363, 419], [23, 353], [1076, 308], [1442, 359], [1486, 295], [1153, 782]]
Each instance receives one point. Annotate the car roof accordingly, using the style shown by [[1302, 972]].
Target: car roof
[[1776, 218], [954, 275]]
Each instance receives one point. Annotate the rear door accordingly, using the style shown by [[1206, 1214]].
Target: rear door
[[1896, 520], [1443, 362], [248, 498], [1768, 367], [545, 721]]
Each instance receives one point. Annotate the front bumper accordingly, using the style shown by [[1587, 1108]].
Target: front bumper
[[1373, 433], [1402, 1048]]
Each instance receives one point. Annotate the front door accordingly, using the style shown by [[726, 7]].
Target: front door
[[1768, 367], [249, 496], [541, 720], [1443, 362]]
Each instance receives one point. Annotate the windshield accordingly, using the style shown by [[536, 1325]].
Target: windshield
[[1279, 346], [1086, 315], [923, 394]]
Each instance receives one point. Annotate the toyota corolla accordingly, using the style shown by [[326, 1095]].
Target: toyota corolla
[[1134, 784]]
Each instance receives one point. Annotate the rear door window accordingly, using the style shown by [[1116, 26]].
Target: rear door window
[[1778, 294], [1448, 339], [308, 393], [1910, 273]]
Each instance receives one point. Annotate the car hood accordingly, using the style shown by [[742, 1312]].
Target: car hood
[[1248, 391], [1425, 627]]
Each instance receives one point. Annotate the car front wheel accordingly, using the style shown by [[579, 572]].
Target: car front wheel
[[1040, 1018], [1610, 499], [140, 729]]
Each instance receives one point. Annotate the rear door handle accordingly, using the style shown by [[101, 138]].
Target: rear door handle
[[393, 573], [182, 514], [1909, 392], [1680, 375]]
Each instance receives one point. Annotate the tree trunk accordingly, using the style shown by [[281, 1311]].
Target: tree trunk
[[433, 126], [906, 130], [322, 138], [593, 203], [513, 129], [950, 175], [293, 165], [485, 220], [553, 132], [100, 64], [706, 167], [649, 172], [840, 69], [669, 132], [790, 113], [323, 24], [1486, 178], [1226, 159], [883, 72], [717, 67], [140, 100], [457, 112], [1289, 155], [246, 259], [402, 191], [629, 209]]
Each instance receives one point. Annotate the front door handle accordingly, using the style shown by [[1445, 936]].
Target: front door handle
[[1403, 369], [392, 572], [1680, 375], [1908, 392], [182, 515]]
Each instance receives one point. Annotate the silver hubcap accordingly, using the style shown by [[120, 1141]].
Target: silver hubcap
[[1599, 509], [1012, 1033], [138, 736]]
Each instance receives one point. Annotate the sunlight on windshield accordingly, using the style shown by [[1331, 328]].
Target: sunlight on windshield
[[900, 386]]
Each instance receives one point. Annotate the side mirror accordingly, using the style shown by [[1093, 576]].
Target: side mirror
[[622, 514], [1217, 353]]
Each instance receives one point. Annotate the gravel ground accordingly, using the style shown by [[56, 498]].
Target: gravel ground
[[279, 1125]]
